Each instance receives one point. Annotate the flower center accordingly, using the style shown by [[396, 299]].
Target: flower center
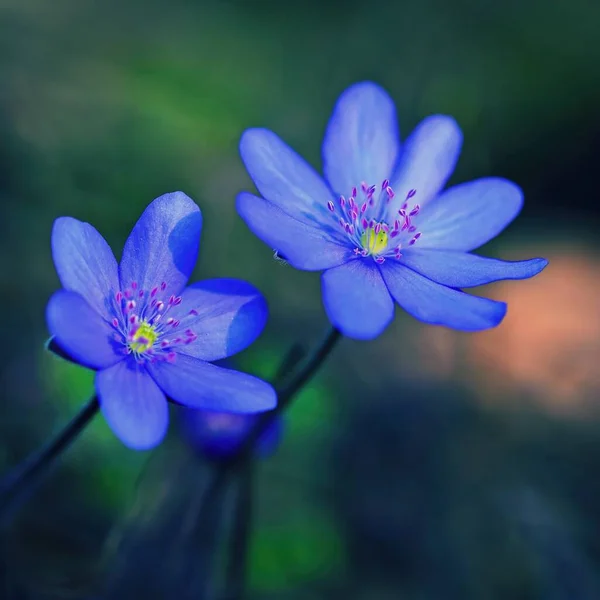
[[143, 326], [375, 239], [368, 221], [143, 338]]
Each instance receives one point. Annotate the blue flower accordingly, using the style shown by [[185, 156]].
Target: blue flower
[[218, 435], [379, 225], [147, 336]]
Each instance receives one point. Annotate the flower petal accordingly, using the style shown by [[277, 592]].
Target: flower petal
[[460, 270], [226, 315], [428, 158], [437, 304], [283, 177], [84, 262], [133, 405], [219, 434], [356, 299], [470, 214], [199, 384], [163, 245], [81, 331], [361, 142], [304, 246]]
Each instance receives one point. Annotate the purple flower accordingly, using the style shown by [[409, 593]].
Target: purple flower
[[379, 225], [218, 435], [147, 336]]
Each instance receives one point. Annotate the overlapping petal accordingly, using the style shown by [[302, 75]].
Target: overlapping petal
[[163, 245], [284, 178], [133, 405], [356, 299], [81, 331], [461, 270], [361, 142], [437, 304], [198, 384], [470, 214], [226, 315], [84, 262], [219, 435], [428, 158], [305, 246]]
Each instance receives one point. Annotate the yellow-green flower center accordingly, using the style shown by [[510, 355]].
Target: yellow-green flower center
[[143, 338], [373, 242]]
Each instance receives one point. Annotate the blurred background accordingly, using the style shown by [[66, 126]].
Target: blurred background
[[426, 465]]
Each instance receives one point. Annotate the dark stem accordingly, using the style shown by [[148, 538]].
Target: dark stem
[[290, 361], [201, 545], [235, 576], [242, 458], [287, 392], [25, 476]]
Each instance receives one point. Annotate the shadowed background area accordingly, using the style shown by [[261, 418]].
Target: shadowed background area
[[426, 465]]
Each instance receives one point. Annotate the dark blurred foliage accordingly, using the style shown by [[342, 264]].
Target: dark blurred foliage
[[420, 466]]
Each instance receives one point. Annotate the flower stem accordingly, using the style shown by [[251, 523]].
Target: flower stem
[[24, 477], [235, 577], [287, 392], [242, 459]]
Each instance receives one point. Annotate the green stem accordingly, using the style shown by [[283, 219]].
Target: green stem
[[235, 577], [25, 476], [287, 392], [243, 456]]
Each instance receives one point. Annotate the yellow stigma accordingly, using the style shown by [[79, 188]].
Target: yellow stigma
[[143, 339], [374, 243]]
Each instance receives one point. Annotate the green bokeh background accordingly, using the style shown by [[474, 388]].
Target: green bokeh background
[[390, 482]]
